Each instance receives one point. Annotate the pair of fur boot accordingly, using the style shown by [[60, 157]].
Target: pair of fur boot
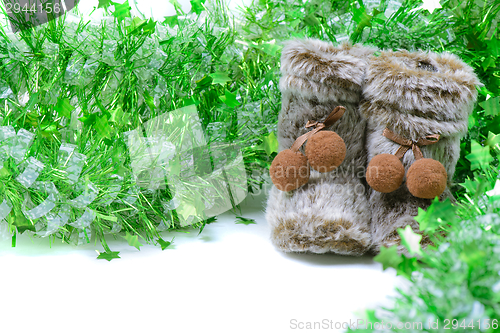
[[412, 105]]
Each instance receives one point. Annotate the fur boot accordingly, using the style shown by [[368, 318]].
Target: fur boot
[[414, 95], [331, 212]]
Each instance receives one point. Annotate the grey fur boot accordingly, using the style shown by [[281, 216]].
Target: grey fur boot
[[330, 213], [415, 95]]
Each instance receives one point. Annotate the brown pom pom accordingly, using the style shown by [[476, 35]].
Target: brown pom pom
[[426, 178], [385, 173], [325, 151], [289, 170]]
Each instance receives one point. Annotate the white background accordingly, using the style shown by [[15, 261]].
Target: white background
[[228, 279]]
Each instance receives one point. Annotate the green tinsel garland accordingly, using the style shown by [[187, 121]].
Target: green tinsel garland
[[77, 96]]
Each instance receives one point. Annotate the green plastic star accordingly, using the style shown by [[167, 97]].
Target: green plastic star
[[230, 99], [197, 6], [479, 157], [491, 106], [488, 62], [102, 127], [271, 48], [164, 244], [121, 10], [493, 139], [220, 78], [407, 267], [104, 3], [435, 215], [410, 240], [135, 25], [133, 240], [108, 255], [389, 257], [269, 144], [63, 107]]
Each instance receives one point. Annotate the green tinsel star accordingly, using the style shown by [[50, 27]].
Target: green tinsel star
[[491, 106], [108, 255], [121, 10], [133, 240], [220, 78], [388, 257], [230, 99], [436, 215], [479, 157], [164, 244], [410, 240]]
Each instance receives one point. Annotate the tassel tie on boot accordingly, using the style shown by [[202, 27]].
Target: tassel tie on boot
[[325, 151], [426, 177]]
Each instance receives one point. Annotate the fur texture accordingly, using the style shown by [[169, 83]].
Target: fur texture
[[330, 213], [414, 94]]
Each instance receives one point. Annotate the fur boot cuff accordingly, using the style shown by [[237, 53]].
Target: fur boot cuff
[[420, 93], [314, 67]]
